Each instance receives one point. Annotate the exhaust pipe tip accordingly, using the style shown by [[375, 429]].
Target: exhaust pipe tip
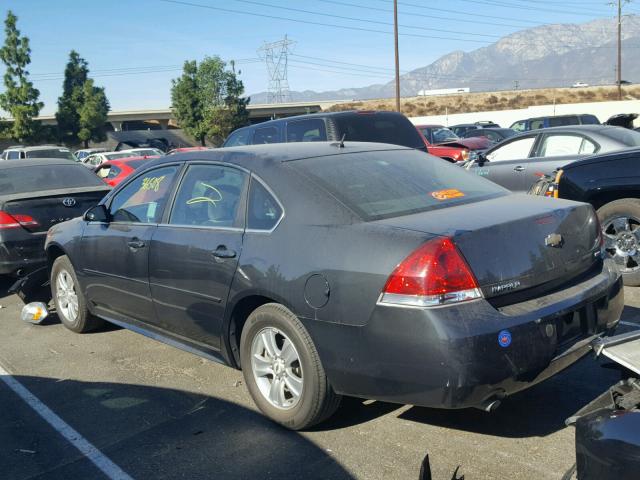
[[490, 405]]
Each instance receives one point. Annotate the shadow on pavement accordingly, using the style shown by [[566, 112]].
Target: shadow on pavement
[[5, 283], [151, 432]]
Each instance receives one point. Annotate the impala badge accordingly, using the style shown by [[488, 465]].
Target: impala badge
[[554, 240], [69, 202]]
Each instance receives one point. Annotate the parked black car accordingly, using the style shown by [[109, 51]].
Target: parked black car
[[355, 126], [520, 161], [611, 183], [463, 128], [34, 195], [495, 135], [324, 270]]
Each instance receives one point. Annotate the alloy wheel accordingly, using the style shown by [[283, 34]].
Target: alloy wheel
[[276, 368], [66, 296]]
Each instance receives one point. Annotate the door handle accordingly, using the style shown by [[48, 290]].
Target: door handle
[[223, 252], [519, 168], [135, 244]]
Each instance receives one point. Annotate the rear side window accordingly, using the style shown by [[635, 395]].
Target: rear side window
[[589, 120], [536, 124], [238, 138], [51, 153], [264, 211], [386, 184], [377, 127], [266, 135], [560, 145], [312, 130], [46, 177], [209, 196]]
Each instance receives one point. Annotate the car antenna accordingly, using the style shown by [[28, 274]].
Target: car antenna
[[340, 144]]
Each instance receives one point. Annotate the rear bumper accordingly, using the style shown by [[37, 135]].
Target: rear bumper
[[22, 252], [450, 357]]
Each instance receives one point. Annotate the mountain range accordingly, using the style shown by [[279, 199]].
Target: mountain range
[[545, 56]]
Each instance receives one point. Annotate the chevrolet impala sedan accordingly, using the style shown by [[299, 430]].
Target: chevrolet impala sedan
[[331, 269]]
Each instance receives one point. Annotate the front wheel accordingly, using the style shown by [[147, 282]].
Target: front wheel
[[620, 222], [282, 369], [70, 303]]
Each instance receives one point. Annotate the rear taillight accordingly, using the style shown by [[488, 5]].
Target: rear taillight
[[16, 221], [434, 274]]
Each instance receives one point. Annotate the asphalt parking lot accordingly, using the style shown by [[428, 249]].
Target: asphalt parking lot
[[155, 412]]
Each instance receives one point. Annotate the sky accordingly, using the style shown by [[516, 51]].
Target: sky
[[135, 47]]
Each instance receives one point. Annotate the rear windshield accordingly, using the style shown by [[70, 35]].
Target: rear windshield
[[630, 138], [386, 184], [38, 178], [50, 153], [380, 128]]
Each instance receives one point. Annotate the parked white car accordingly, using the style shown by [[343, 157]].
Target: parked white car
[[579, 85], [144, 152], [92, 161]]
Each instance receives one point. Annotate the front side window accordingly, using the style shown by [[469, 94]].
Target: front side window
[[560, 145], [113, 172], [14, 155], [264, 210], [516, 150], [312, 130], [144, 199], [519, 126], [209, 196], [266, 135]]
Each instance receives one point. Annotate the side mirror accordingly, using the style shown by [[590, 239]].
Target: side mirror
[[482, 159], [97, 213]]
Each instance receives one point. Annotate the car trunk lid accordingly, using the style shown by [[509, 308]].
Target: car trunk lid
[[517, 242], [52, 206]]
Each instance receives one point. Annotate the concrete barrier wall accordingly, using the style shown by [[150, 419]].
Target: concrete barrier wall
[[505, 118]]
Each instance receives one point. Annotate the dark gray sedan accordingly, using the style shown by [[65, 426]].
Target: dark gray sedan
[[518, 162], [325, 270]]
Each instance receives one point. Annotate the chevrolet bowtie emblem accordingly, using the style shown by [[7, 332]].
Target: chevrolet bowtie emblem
[[554, 240]]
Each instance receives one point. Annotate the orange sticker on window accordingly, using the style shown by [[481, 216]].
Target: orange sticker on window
[[447, 194]]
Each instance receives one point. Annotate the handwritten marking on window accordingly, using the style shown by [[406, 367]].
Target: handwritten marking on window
[[152, 183]]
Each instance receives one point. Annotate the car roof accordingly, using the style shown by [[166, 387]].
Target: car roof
[[345, 113], [275, 153], [34, 162], [41, 147]]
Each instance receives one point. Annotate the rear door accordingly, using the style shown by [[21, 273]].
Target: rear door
[[507, 163], [553, 151], [115, 254], [194, 254]]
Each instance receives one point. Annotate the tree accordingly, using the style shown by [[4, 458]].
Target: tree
[[20, 98], [68, 115], [207, 102], [93, 114]]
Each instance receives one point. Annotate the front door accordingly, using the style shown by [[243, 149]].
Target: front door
[[507, 164], [115, 254], [194, 256]]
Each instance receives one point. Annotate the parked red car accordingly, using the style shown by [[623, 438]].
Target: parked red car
[[114, 171], [443, 143]]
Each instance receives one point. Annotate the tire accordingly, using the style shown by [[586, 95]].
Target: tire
[[316, 400], [64, 285], [613, 217]]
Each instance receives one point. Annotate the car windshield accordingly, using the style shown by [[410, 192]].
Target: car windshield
[[50, 153], [392, 183], [36, 178], [630, 138], [116, 156], [439, 134]]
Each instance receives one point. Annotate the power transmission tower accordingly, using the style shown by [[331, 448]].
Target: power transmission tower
[[276, 56]]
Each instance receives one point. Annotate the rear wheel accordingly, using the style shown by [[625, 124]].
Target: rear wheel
[[621, 228], [282, 369], [68, 298]]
